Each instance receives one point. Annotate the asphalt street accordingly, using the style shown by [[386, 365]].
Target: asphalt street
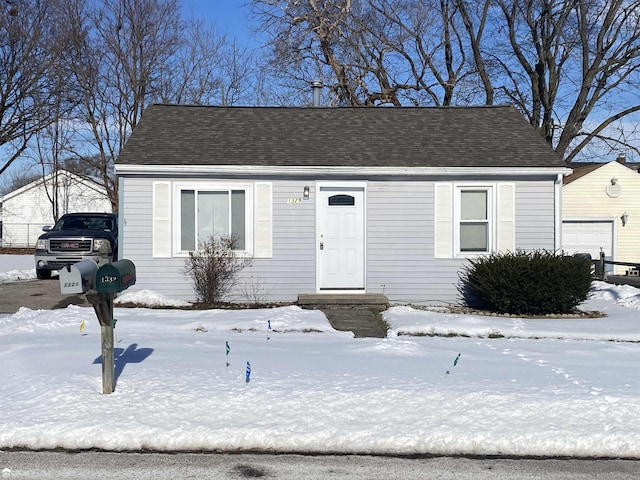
[[105, 465]]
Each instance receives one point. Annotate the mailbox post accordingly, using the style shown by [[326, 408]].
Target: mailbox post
[[103, 306], [101, 286]]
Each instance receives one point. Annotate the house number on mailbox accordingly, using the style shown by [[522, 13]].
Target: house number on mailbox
[[108, 279]]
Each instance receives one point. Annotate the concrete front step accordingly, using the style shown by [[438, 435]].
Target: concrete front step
[[326, 300], [358, 313], [363, 322]]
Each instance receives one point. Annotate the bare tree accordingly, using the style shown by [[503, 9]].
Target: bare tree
[[308, 37], [50, 145], [30, 41], [581, 59], [393, 52], [570, 66], [208, 69], [118, 51]]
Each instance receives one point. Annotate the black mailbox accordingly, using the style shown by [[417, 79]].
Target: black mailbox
[[115, 277]]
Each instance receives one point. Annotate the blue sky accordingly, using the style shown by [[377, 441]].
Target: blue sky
[[230, 16]]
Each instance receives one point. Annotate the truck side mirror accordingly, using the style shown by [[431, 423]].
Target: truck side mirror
[[79, 277]]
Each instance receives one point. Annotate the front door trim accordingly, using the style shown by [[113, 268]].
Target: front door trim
[[344, 187]]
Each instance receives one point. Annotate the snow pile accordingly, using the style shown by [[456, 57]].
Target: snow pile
[[16, 268]]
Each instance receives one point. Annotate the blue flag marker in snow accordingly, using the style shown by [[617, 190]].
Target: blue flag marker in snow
[[228, 350], [248, 375], [455, 362], [268, 329]]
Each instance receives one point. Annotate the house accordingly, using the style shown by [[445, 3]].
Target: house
[[601, 212], [26, 210], [336, 200]]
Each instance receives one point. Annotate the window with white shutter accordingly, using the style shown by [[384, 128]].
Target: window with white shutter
[[161, 220], [264, 221], [473, 219]]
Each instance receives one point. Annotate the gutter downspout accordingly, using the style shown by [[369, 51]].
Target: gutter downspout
[[558, 212]]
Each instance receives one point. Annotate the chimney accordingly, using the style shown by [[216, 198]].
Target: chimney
[[621, 158], [316, 86]]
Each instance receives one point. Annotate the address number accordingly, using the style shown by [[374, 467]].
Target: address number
[[108, 279]]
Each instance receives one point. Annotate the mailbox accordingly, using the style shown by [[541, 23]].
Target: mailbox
[[78, 277], [115, 277]]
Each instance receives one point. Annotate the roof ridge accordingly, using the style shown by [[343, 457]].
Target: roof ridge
[[326, 107]]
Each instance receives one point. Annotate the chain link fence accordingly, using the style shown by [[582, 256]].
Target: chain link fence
[[19, 235]]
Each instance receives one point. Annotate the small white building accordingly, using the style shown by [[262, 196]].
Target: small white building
[[601, 212], [26, 210]]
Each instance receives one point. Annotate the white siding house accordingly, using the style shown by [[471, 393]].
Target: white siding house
[[336, 200], [26, 210], [601, 212]]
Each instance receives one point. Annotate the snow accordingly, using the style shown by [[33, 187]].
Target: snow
[[539, 387], [14, 268]]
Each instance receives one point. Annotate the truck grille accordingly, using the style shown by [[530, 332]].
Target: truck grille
[[70, 245]]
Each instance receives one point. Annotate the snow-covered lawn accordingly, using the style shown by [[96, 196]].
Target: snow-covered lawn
[[547, 387]]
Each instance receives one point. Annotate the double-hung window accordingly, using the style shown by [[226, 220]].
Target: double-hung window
[[475, 220], [213, 212]]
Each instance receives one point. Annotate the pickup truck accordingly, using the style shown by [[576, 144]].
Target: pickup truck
[[76, 237]]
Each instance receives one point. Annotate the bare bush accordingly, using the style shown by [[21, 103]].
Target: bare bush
[[214, 268]]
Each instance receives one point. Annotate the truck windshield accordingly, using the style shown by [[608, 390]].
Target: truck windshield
[[84, 223]]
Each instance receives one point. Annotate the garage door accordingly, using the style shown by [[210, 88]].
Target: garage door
[[588, 237]]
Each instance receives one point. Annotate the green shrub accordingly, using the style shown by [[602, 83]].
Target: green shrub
[[526, 283]]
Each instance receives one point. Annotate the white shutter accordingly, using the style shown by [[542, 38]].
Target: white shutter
[[161, 219], [506, 217], [263, 221], [443, 222]]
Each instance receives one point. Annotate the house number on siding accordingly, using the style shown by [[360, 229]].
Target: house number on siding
[[293, 200]]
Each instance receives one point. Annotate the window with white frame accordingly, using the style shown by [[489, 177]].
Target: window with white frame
[[475, 220], [212, 212], [472, 219]]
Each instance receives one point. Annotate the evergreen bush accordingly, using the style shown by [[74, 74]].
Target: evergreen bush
[[526, 283]]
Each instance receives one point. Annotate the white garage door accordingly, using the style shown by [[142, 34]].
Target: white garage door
[[588, 237]]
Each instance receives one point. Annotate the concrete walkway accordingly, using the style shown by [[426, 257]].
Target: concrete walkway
[[360, 314]]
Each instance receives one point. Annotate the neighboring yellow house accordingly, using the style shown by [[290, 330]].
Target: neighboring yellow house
[[601, 212]]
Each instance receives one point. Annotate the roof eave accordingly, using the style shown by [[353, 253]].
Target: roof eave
[[289, 171]]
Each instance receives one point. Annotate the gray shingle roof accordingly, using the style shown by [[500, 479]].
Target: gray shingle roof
[[495, 136]]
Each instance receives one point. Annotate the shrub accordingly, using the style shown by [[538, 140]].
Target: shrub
[[214, 268], [529, 283]]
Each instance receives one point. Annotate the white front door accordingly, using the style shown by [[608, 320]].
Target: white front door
[[340, 247]]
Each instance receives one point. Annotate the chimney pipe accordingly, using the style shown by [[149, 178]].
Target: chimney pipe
[[317, 90], [621, 158]]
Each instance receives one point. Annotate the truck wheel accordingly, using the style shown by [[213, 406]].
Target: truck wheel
[[43, 274]]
